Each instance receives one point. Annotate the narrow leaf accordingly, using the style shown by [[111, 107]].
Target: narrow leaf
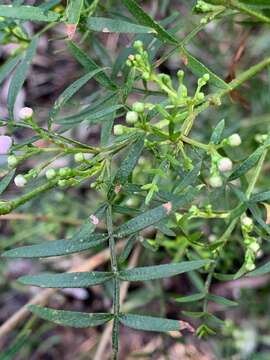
[[6, 181], [27, 12], [199, 69], [71, 90], [154, 215], [20, 75], [90, 65], [130, 161], [57, 247], [245, 166], [190, 298], [8, 66], [150, 323], [261, 270], [116, 26], [160, 271], [221, 300], [67, 280], [144, 19], [217, 133], [70, 318], [73, 11]]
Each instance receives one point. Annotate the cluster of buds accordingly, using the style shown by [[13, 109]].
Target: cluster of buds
[[219, 165], [140, 61], [251, 243]]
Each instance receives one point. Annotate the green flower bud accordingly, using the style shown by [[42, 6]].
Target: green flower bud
[[234, 140], [50, 174], [131, 117], [5, 207], [215, 181], [65, 171], [138, 107], [145, 75], [62, 183], [118, 130], [138, 45], [12, 161], [206, 77], [79, 157]]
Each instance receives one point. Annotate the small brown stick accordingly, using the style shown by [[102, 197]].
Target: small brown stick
[[105, 338], [43, 297]]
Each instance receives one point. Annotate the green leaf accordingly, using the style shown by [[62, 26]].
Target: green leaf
[[67, 280], [130, 161], [144, 19], [194, 314], [245, 166], [57, 247], [259, 197], [199, 69], [149, 323], [20, 75], [217, 133], [221, 300], [154, 215], [261, 270], [73, 11], [6, 181], [92, 118], [90, 65], [71, 90], [116, 26], [262, 4], [70, 318], [188, 179], [160, 271], [190, 298], [8, 66], [26, 12]]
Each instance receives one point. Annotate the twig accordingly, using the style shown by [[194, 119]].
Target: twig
[[105, 338], [43, 297]]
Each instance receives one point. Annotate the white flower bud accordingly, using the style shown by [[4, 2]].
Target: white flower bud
[[247, 221], [50, 174], [20, 180], [138, 107], [25, 113], [118, 130], [131, 117], [215, 181], [234, 140], [224, 164]]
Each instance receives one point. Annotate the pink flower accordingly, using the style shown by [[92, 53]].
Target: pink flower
[[5, 144]]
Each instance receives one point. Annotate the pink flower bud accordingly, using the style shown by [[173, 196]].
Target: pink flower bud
[[25, 113], [5, 144]]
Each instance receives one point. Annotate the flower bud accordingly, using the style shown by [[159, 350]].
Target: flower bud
[[5, 144], [138, 107], [50, 174], [25, 113], [118, 130], [12, 161], [20, 180], [65, 171], [234, 140], [62, 183], [215, 181], [224, 164], [79, 157], [131, 117], [247, 221], [138, 45], [254, 247]]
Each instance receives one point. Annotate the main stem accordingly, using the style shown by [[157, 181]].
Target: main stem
[[116, 285]]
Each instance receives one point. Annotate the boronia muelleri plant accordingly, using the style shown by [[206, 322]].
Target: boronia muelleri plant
[[151, 167]]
